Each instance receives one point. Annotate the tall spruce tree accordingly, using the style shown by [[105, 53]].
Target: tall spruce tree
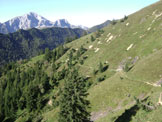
[[73, 105]]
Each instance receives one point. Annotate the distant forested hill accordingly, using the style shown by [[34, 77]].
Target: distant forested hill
[[28, 43]]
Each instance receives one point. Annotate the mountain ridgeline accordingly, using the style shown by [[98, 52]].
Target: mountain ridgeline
[[100, 26], [28, 43], [33, 20]]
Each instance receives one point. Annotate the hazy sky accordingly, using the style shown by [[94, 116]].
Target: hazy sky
[[77, 12]]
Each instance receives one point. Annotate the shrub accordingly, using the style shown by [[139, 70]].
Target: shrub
[[122, 20], [95, 72], [125, 17], [102, 78], [92, 39], [103, 68], [81, 62], [113, 22]]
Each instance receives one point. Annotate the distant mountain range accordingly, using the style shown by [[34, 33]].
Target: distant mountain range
[[33, 20]]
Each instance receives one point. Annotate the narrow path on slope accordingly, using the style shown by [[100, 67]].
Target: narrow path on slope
[[146, 82]]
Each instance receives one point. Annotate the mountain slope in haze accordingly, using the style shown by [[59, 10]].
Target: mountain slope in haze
[[100, 26], [63, 23], [28, 43], [128, 87], [33, 20]]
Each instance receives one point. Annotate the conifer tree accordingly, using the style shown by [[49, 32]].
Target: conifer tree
[[92, 39], [47, 54], [73, 105], [1, 102], [101, 69]]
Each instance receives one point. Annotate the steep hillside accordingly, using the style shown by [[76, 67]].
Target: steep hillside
[[28, 43], [122, 68]]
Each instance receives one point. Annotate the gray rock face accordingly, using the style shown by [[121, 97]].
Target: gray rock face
[[33, 20]]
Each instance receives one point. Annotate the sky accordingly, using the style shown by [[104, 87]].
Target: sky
[[77, 12]]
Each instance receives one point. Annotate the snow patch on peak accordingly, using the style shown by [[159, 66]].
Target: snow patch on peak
[[63, 20], [33, 20], [62, 23]]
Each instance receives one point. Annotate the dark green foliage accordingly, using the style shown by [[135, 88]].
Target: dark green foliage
[[125, 18], [105, 67], [70, 59], [28, 43], [102, 78], [73, 105], [31, 97], [78, 54], [82, 50], [69, 39], [74, 56], [85, 57], [101, 67], [128, 114], [95, 72], [97, 34], [145, 104], [22, 89], [53, 81], [54, 67], [55, 102], [122, 20], [55, 54], [81, 62], [114, 22], [1, 102], [92, 39], [48, 54]]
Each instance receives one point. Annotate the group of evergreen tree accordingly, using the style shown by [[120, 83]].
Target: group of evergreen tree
[[23, 88], [25, 44], [73, 103], [54, 54], [124, 19], [70, 39], [97, 34], [75, 56]]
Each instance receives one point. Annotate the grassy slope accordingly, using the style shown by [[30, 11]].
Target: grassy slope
[[114, 94]]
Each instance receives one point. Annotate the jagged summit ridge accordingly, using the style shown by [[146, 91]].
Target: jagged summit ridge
[[33, 20]]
